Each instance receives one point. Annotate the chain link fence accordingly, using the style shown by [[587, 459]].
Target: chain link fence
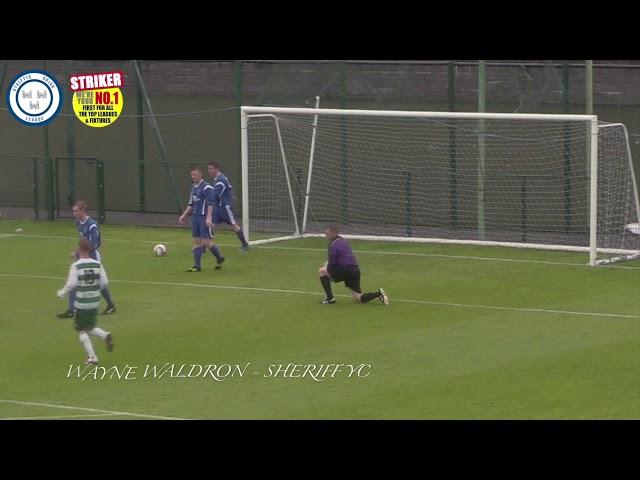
[[122, 172]]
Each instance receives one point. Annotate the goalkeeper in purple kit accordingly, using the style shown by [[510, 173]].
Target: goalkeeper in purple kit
[[343, 267]]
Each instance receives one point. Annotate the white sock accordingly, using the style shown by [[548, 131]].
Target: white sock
[[98, 332], [86, 343]]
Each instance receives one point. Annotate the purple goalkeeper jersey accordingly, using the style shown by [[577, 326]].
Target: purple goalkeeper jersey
[[340, 254]]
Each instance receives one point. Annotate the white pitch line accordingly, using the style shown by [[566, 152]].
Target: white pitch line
[[517, 309], [304, 292], [86, 415], [96, 410], [59, 237], [369, 252], [458, 257]]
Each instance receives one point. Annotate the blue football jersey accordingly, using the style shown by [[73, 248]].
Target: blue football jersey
[[200, 197], [222, 191], [89, 229]]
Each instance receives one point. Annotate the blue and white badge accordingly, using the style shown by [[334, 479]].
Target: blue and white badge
[[34, 98]]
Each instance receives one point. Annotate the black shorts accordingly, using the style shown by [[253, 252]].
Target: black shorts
[[349, 275]]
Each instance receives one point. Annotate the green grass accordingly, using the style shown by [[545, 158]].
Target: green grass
[[438, 351]]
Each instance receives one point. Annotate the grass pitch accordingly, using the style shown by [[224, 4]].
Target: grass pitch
[[471, 332]]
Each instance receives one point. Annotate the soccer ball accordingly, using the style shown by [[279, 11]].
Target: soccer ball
[[159, 250], [634, 228]]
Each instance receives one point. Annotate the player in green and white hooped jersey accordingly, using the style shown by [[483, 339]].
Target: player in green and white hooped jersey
[[88, 277]]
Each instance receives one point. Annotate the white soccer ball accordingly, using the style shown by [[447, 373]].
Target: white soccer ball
[[160, 250], [634, 228]]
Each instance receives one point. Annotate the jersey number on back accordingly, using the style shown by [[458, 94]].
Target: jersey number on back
[[90, 277]]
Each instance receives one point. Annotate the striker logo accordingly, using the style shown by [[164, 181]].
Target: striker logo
[[34, 98]]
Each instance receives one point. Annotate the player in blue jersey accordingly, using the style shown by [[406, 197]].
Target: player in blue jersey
[[88, 228], [223, 202], [200, 205]]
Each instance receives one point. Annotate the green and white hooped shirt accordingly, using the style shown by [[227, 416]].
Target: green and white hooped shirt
[[88, 277]]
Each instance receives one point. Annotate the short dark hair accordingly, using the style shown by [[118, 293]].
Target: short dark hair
[[194, 168], [81, 204], [333, 228], [214, 165], [85, 245]]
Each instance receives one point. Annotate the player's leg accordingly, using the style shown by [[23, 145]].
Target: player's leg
[[325, 281], [106, 336], [85, 341], [243, 241], [85, 321], [352, 281], [225, 215], [111, 307], [360, 297], [197, 224], [106, 294], [367, 297], [198, 251], [207, 242], [236, 228], [215, 251]]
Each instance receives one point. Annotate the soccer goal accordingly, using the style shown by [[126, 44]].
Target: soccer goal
[[560, 182]]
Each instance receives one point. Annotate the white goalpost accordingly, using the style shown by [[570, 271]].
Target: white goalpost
[[544, 181]]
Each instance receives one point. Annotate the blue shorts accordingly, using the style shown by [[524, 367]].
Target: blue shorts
[[223, 214], [199, 227]]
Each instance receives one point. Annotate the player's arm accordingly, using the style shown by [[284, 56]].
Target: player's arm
[[187, 210], [209, 194], [209, 222], [72, 282], [104, 281], [94, 236], [217, 191]]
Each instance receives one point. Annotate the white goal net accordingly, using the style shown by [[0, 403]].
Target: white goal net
[[520, 180]]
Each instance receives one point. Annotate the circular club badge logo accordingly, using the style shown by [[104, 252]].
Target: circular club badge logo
[[34, 98]]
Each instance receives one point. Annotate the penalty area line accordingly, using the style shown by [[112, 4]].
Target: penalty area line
[[305, 292]]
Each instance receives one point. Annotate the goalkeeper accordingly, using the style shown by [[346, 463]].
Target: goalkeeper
[[343, 267]]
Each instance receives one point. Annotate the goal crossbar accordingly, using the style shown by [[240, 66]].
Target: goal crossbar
[[416, 114]]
